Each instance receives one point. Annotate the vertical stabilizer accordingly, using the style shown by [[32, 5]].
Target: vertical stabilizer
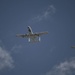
[[30, 30]]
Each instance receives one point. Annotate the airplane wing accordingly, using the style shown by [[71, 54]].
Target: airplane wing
[[27, 35], [22, 35], [41, 33]]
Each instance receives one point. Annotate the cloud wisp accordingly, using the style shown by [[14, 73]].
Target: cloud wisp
[[16, 48], [64, 68], [6, 60], [48, 12]]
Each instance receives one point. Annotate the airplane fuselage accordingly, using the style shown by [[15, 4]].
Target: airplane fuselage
[[30, 30], [32, 38]]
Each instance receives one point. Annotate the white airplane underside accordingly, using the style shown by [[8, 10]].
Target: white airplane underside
[[32, 37]]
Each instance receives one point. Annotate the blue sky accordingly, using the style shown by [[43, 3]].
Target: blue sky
[[53, 55]]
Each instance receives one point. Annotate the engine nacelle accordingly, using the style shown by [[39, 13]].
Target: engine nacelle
[[39, 39]]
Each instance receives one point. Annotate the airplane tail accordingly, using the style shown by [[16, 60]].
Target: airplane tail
[[30, 30]]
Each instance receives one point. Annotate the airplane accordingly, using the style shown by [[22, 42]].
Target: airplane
[[32, 37]]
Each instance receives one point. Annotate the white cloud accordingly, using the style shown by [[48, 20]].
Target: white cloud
[[16, 48], [49, 11], [64, 68], [6, 60]]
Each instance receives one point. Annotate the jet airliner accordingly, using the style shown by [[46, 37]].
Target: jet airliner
[[32, 37]]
